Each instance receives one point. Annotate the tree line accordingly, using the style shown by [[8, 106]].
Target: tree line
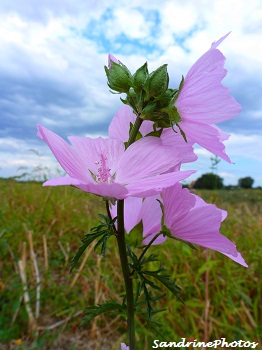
[[211, 181]]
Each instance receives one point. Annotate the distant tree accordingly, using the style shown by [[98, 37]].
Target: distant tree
[[209, 181], [214, 163], [245, 182]]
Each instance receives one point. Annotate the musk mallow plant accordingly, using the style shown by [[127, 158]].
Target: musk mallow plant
[[137, 169]]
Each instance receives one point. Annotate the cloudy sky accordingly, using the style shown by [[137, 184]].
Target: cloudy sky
[[52, 55]]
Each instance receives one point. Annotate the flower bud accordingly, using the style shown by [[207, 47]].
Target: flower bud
[[140, 77], [157, 82], [118, 76]]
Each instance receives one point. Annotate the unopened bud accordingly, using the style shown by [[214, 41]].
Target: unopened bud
[[140, 77], [157, 82], [118, 76]]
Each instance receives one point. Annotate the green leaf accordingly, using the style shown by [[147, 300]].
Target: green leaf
[[96, 310], [105, 229], [166, 281], [89, 238]]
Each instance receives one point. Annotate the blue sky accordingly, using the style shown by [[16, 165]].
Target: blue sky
[[53, 53]]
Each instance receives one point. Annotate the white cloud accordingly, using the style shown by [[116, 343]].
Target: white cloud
[[245, 146], [54, 70]]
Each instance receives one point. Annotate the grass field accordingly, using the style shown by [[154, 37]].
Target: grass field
[[40, 231]]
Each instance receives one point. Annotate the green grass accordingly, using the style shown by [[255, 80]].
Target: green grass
[[64, 215]]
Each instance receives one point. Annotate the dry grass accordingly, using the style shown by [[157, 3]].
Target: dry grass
[[42, 227]]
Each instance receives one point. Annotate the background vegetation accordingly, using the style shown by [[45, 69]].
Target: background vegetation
[[43, 226]]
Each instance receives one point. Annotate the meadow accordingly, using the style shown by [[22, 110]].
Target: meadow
[[40, 231]]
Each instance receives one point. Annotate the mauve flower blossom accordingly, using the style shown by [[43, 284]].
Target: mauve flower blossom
[[191, 219], [119, 129], [105, 168], [187, 216], [124, 346], [203, 101]]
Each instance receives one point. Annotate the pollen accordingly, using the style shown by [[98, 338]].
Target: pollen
[[103, 170]]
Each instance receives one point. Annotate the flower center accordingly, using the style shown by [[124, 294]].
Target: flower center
[[103, 171]]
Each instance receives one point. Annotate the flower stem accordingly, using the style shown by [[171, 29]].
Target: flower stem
[[121, 241], [126, 273], [134, 131], [149, 244]]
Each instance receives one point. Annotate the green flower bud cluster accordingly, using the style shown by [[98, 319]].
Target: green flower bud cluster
[[147, 93]]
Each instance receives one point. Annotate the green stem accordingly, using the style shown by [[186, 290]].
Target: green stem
[[134, 131], [121, 241], [149, 244], [126, 273]]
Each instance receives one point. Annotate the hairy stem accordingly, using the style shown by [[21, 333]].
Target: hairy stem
[[126, 273], [121, 241]]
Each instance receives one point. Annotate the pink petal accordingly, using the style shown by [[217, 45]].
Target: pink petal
[[132, 212], [62, 181], [198, 222], [90, 151], [151, 214], [65, 155], [111, 58], [151, 186], [183, 150], [177, 203], [239, 259], [219, 41], [120, 124], [112, 190], [146, 157], [203, 98], [208, 136]]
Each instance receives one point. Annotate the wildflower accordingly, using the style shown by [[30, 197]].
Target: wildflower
[[188, 218], [191, 219], [203, 101], [105, 168], [124, 346], [120, 125]]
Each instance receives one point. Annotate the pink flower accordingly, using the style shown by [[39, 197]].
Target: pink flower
[[191, 219], [203, 101], [187, 216], [119, 129], [124, 346], [103, 167]]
